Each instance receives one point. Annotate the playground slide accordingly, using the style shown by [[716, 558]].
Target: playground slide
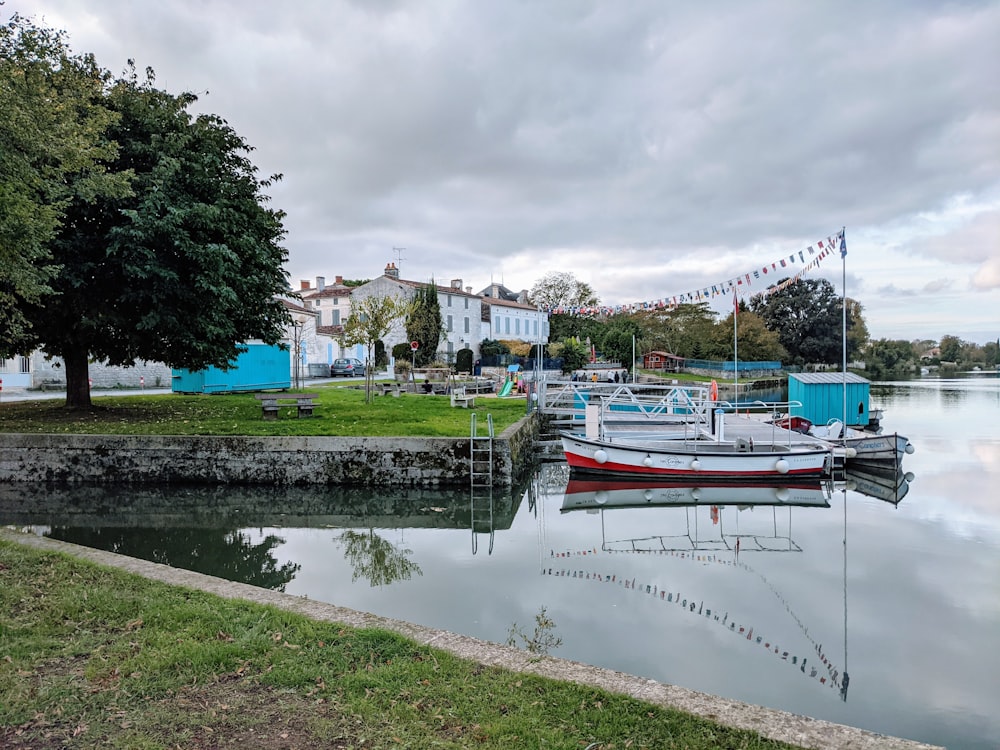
[[507, 388]]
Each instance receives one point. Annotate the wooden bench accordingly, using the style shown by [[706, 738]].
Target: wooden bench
[[460, 398], [269, 403]]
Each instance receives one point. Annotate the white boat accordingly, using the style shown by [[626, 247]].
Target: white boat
[[889, 484], [864, 447], [596, 492], [706, 459]]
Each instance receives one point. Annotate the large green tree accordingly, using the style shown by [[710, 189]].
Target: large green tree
[[184, 269], [686, 330], [424, 323], [755, 342], [561, 289], [620, 333], [52, 138], [807, 317]]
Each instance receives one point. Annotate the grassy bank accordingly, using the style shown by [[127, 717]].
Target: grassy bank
[[94, 657], [340, 411]]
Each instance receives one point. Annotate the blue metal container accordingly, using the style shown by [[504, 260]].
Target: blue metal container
[[822, 397], [260, 367]]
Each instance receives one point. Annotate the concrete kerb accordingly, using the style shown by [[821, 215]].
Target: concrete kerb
[[778, 725]]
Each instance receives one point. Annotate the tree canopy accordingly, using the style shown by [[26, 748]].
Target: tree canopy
[[562, 289], [159, 246], [807, 317], [372, 318], [424, 323], [51, 142]]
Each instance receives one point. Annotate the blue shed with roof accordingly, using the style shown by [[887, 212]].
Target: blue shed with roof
[[822, 397], [260, 367]]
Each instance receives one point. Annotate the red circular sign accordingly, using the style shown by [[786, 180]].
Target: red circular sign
[[414, 345]]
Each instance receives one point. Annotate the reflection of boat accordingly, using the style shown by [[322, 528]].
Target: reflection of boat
[[704, 459], [585, 494], [888, 483]]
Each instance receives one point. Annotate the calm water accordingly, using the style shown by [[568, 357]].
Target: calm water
[[909, 607]]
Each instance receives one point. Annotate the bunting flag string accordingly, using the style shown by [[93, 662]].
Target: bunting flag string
[[741, 284]]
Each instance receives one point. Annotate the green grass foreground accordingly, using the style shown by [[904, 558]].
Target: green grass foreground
[[340, 411], [96, 657]]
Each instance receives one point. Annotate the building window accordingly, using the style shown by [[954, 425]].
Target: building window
[[319, 317], [517, 327], [25, 365], [466, 303], [449, 299], [336, 318], [450, 329], [506, 325], [466, 325]]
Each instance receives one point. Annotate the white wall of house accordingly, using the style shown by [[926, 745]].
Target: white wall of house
[[515, 321], [462, 314], [16, 372], [52, 372]]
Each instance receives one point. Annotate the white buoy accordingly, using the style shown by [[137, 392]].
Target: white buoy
[[600, 456], [648, 495], [781, 493], [695, 494], [850, 452], [908, 476], [909, 448], [601, 497], [781, 466], [695, 465], [647, 461]]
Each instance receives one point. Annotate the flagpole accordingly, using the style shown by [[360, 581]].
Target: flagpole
[[843, 304], [736, 353]]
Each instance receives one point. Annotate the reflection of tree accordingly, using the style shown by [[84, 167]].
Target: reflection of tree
[[376, 559], [215, 552]]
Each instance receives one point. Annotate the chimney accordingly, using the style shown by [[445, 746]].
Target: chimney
[[320, 283], [391, 271], [468, 290], [339, 280], [303, 285]]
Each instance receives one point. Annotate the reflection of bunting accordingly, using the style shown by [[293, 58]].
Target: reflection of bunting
[[832, 676], [740, 282]]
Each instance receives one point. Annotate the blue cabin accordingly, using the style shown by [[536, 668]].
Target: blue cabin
[[822, 397], [260, 367]]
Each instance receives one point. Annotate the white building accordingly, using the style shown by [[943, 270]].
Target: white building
[[461, 312]]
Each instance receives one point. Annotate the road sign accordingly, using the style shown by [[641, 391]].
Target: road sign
[[414, 345]]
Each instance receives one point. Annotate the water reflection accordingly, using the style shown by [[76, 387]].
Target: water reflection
[[724, 526], [376, 559], [204, 529]]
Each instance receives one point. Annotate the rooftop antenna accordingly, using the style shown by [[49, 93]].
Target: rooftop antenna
[[398, 251]]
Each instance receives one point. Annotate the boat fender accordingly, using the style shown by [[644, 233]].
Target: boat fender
[[909, 448], [600, 497], [647, 461], [713, 391], [695, 465], [648, 495], [600, 456], [908, 476], [850, 452], [695, 494], [781, 466], [781, 493]]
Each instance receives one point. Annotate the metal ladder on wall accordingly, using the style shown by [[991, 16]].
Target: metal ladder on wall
[[481, 482]]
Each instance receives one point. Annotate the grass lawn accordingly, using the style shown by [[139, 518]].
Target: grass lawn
[[340, 411], [97, 657]]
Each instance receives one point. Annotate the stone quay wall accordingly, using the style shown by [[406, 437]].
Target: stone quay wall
[[320, 460]]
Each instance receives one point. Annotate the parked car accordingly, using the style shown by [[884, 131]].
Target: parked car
[[348, 367]]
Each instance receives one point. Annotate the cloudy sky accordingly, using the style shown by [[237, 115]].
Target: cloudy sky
[[649, 148]]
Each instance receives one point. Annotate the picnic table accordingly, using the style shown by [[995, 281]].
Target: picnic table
[[269, 403]]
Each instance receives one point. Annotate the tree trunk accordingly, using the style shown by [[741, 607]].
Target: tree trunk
[[77, 380]]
